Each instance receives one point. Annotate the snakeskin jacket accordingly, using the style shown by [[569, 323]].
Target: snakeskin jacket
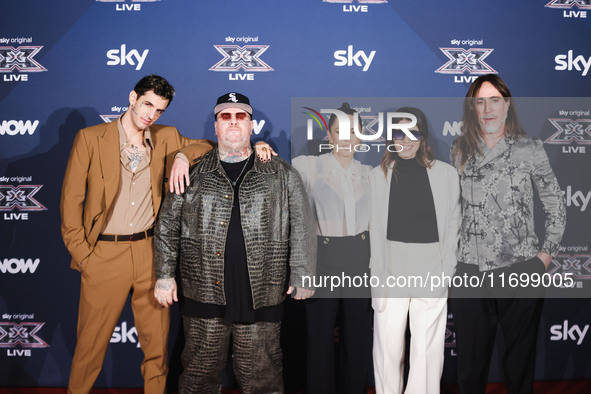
[[279, 232], [498, 204]]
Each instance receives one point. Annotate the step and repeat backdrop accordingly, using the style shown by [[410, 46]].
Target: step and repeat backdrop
[[66, 65]]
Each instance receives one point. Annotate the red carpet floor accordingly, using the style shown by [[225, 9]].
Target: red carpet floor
[[568, 387]]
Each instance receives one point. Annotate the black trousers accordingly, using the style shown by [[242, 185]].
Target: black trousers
[[335, 256], [475, 323], [355, 344]]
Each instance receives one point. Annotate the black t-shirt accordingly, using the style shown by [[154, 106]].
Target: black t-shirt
[[411, 209]]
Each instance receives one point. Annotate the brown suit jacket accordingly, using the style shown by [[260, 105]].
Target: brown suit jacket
[[93, 175]]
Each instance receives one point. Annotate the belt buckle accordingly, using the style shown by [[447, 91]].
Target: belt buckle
[[138, 236]]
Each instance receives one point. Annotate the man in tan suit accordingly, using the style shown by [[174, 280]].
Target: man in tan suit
[[112, 190]]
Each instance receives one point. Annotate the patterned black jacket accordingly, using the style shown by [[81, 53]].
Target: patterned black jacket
[[278, 229]]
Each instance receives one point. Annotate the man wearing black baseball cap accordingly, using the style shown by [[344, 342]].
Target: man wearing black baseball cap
[[242, 227], [232, 100]]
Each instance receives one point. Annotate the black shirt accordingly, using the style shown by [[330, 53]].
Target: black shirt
[[411, 209]]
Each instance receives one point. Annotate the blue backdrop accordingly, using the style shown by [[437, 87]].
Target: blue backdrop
[[65, 65]]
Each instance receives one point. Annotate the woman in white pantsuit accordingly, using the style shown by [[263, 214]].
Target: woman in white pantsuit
[[414, 225]]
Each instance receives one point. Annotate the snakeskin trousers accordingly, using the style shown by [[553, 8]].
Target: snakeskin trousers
[[257, 356]]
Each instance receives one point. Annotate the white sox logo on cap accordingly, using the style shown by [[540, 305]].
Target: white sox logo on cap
[[232, 100]]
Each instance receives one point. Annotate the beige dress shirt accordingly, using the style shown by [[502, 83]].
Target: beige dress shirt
[[133, 210]]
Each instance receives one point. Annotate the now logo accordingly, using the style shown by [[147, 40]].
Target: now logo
[[18, 266], [454, 128], [16, 127]]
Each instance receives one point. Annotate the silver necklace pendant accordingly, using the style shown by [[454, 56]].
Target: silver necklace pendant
[[241, 172]]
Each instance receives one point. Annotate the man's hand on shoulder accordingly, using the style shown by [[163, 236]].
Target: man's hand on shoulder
[[179, 174], [264, 151]]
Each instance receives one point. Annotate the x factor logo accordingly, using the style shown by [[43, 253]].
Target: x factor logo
[[582, 4], [369, 121], [20, 59], [237, 57], [570, 130], [578, 264], [108, 118], [461, 60], [20, 197], [23, 334]]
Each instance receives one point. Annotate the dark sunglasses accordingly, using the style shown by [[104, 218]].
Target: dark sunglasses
[[399, 134]]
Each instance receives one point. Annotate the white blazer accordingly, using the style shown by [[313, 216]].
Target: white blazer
[[445, 185]]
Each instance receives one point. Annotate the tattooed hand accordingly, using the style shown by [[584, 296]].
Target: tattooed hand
[[165, 292]]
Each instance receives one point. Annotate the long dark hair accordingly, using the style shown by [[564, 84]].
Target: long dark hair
[[468, 144], [424, 154]]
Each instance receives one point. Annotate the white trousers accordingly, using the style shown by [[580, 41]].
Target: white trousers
[[428, 318]]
